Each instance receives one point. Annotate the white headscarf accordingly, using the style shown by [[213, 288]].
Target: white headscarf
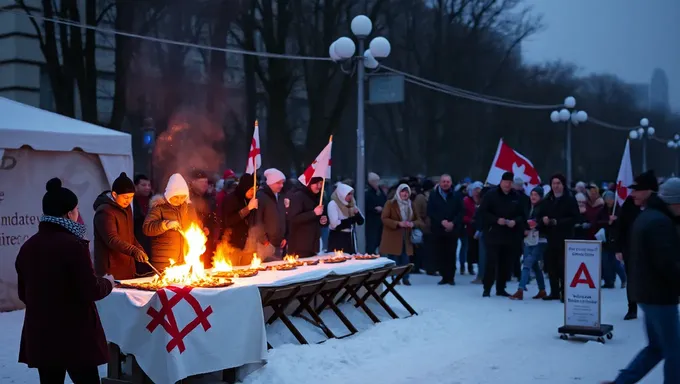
[[404, 204], [177, 186]]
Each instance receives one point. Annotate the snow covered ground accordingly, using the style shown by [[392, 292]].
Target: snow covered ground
[[458, 338]]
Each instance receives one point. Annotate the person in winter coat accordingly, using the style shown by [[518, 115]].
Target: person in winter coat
[[140, 208], [470, 204], [228, 179], [115, 247], [424, 249], [399, 219], [582, 225], [519, 186], [655, 284], [306, 218], [343, 216], [203, 201], [169, 214], [559, 215], [445, 211], [270, 219], [504, 215], [62, 332], [375, 201], [595, 212], [610, 266], [237, 217]]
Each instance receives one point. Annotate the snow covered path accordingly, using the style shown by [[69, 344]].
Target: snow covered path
[[459, 337]]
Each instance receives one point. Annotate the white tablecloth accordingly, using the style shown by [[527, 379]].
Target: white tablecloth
[[235, 333]]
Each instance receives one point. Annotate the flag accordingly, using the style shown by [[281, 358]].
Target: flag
[[321, 167], [254, 158], [625, 177], [509, 160]]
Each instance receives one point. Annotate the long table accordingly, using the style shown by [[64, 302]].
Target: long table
[[179, 332]]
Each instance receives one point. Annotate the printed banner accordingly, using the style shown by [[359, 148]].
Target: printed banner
[[582, 277]]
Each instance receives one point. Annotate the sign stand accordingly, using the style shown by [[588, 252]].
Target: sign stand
[[582, 291]]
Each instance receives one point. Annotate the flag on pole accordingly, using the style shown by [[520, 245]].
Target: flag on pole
[[321, 167], [509, 160], [625, 177], [254, 158]]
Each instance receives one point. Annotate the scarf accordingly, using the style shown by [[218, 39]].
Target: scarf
[[343, 206], [72, 226], [404, 205]]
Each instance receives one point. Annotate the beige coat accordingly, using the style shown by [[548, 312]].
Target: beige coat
[[393, 236]]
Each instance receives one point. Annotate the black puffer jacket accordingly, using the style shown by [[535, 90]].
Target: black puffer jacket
[[305, 228], [167, 244], [270, 220], [498, 205], [236, 218], [654, 260], [439, 209], [564, 210]]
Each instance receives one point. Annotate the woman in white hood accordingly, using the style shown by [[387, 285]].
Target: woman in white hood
[[168, 214], [343, 215]]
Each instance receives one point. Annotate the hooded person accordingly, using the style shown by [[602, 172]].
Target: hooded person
[[61, 332], [237, 217], [116, 248], [399, 220], [305, 217], [169, 214], [343, 216], [270, 220]]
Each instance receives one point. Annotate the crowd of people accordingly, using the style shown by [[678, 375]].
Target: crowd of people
[[441, 228]]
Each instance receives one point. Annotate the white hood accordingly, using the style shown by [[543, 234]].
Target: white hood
[[176, 186], [342, 190]]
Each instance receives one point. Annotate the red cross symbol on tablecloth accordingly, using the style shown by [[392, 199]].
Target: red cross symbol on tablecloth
[[165, 317]]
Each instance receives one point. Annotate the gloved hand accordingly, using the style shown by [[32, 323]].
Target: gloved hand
[[140, 256]]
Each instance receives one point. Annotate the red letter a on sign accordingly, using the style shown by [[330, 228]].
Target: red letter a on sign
[[582, 276]]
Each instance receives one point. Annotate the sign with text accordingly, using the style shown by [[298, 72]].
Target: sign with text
[[582, 275]]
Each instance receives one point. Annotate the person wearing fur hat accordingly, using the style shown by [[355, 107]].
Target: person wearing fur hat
[[62, 332], [306, 218], [169, 214], [559, 215], [270, 220], [237, 217], [399, 220], [343, 216], [375, 201], [116, 248]]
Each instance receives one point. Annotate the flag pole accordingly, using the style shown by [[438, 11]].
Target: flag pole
[[323, 182], [255, 166]]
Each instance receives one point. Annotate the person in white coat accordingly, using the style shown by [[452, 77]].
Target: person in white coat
[[343, 217]]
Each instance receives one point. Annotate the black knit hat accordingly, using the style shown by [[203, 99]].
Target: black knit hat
[[646, 181], [559, 177], [508, 176], [58, 201], [539, 190], [123, 185], [315, 179]]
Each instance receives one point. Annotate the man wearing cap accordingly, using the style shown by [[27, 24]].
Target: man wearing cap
[[306, 218], [115, 247], [644, 185], [654, 262], [375, 201], [270, 220], [503, 216]]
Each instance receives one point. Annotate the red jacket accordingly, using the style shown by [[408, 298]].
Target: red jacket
[[57, 283], [470, 207]]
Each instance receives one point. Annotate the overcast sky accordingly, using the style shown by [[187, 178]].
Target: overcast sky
[[628, 38]]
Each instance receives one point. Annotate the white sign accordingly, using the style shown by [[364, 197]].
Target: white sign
[[582, 277]]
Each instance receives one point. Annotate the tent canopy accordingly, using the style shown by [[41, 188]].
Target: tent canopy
[[21, 125]]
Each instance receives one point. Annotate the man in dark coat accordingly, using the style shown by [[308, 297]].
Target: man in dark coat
[[519, 186], [445, 211], [140, 207], [115, 247], [237, 216], [270, 219], [504, 216], [305, 217], [654, 282], [62, 331], [643, 187], [560, 213], [375, 201]]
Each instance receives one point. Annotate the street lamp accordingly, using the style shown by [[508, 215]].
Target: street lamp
[[644, 132], [571, 117], [356, 58], [675, 144]]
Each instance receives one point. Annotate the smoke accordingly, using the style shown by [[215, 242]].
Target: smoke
[[192, 141]]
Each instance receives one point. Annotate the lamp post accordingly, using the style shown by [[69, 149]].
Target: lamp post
[[643, 133], [675, 144], [344, 51], [571, 117]]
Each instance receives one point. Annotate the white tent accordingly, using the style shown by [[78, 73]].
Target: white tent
[[36, 145]]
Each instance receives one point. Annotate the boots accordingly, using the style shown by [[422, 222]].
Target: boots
[[519, 295], [462, 268], [540, 295]]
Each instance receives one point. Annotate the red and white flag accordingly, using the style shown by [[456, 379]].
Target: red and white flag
[[509, 160], [254, 158], [625, 177], [321, 167]]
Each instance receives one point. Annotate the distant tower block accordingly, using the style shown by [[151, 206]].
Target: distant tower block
[[658, 91]]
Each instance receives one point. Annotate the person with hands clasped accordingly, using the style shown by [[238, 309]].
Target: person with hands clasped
[[270, 219], [503, 216], [343, 215], [445, 211], [306, 218], [560, 214], [399, 220], [115, 246], [169, 214]]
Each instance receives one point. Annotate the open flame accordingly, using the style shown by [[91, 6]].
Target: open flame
[[291, 259], [339, 254], [256, 263], [192, 271], [221, 262]]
